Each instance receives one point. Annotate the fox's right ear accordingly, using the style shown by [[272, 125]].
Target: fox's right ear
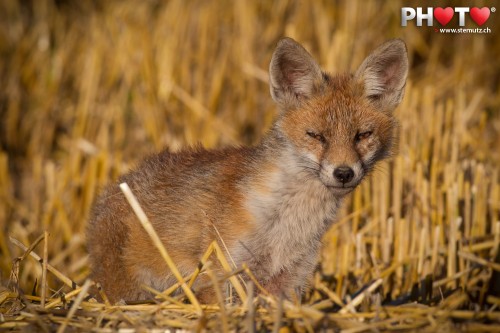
[[294, 75], [383, 74]]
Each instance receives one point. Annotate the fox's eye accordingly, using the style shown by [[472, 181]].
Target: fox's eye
[[316, 136], [363, 135]]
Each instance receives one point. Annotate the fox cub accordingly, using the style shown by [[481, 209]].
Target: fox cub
[[271, 203]]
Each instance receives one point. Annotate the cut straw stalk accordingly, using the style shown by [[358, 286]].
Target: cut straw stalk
[[76, 304], [481, 261], [496, 241], [418, 310], [214, 248], [44, 268], [295, 311], [66, 297], [250, 320], [331, 295], [350, 307], [278, 315], [67, 281], [174, 287], [163, 296], [220, 299], [143, 219]]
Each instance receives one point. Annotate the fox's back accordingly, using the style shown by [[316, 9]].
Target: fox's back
[[186, 196]]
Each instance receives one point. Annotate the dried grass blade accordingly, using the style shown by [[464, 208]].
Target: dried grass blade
[[76, 304], [67, 281], [146, 224]]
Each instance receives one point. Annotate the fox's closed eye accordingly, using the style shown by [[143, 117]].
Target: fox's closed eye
[[316, 136], [363, 135]]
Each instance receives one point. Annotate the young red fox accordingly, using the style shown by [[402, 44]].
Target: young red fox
[[270, 204]]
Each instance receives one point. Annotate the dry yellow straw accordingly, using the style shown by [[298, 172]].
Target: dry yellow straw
[[67, 297], [331, 295], [215, 248], [159, 245], [51, 269], [220, 299], [75, 305], [250, 308], [44, 268], [481, 261], [358, 299]]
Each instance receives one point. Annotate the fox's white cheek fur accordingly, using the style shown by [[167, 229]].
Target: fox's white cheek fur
[[358, 172], [369, 156], [311, 157]]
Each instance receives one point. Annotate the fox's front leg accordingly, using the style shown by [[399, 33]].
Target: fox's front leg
[[293, 280], [279, 285]]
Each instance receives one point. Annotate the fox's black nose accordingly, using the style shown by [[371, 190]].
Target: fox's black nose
[[343, 174]]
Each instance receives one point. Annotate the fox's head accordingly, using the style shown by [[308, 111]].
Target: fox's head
[[338, 125]]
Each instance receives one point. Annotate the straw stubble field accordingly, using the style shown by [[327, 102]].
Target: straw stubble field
[[89, 88]]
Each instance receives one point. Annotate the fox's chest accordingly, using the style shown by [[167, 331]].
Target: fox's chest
[[291, 221]]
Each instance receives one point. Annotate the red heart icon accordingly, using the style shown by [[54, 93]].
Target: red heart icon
[[480, 15], [443, 15]]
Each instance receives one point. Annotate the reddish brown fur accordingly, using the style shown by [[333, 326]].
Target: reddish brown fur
[[341, 98], [119, 245]]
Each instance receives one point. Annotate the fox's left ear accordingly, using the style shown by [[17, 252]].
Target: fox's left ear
[[383, 74]]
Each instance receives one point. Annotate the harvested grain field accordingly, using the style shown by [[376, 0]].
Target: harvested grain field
[[88, 88]]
